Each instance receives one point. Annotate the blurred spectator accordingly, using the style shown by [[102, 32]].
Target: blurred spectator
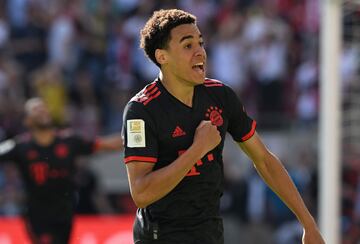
[[349, 65], [83, 112], [83, 58], [4, 30], [18, 12], [268, 61], [228, 58], [204, 10], [306, 79], [48, 83], [60, 39]]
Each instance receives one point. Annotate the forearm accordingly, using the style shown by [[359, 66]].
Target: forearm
[[7, 152], [109, 143], [277, 178], [156, 184]]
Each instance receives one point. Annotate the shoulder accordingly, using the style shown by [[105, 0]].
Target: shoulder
[[71, 137], [213, 83], [221, 92], [217, 87], [12, 143], [65, 133], [145, 104], [23, 138], [148, 94]]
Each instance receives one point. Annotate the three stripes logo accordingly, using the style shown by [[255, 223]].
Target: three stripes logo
[[178, 132], [148, 93]]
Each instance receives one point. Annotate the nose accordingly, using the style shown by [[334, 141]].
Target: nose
[[200, 52]]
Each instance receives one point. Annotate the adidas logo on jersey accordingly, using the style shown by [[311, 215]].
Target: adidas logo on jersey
[[178, 132]]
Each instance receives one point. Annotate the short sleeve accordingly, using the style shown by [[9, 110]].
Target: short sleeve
[[241, 126], [139, 134], [8, 150], [82, 146]]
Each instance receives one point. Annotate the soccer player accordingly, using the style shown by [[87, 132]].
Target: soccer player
[[46, 160], [174, 132]]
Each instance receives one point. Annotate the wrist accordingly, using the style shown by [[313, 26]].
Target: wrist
[[309, 223], [198, 150]]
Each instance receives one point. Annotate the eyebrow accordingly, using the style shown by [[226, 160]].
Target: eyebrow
[[188, 37]]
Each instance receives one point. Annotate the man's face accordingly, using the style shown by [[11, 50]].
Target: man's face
[[38, 116], [186, 56]]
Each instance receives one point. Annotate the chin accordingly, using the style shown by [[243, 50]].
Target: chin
[[44, 125], [200, 81]]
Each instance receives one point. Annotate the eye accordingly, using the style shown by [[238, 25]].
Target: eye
[[201, 43], [188, 46]]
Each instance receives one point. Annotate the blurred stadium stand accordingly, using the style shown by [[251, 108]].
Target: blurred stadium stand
[[82, 58]]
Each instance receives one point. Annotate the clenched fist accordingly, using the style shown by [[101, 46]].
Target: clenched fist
[[207, 136]]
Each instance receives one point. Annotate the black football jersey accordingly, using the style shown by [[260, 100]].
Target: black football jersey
[[157, 128], [48, 171]]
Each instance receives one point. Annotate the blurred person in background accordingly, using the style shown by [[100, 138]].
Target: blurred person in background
[[46, 160], [48, 83], [101, 67], [174, 165]]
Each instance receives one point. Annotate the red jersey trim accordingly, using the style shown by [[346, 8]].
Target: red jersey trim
[[251, 133], [152, 97], [96, 145], [212, 83], [150, 86], [147, 94], [140, 158], [208, 80]]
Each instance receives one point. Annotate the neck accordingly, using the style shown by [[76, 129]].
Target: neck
[[43, 137], [182, 90]]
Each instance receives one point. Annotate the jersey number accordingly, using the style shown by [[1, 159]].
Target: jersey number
[[193, 171], [39, 172]]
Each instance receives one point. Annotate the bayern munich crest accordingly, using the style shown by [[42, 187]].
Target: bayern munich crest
[[214, 114]]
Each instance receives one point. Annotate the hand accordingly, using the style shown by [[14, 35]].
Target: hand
[[312, 236], [207, 136]]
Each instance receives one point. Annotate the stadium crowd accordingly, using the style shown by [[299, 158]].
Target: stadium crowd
[[83, 58]]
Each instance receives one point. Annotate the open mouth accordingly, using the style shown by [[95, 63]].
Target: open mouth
[[199, 68]]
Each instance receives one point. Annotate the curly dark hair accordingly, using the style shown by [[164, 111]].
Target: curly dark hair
[[156, 32]]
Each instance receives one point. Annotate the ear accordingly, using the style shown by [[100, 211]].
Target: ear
[[161, 56]]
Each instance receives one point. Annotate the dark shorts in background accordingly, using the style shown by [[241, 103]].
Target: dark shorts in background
[[49, 231]]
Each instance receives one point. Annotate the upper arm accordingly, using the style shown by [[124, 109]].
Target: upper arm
[[136, 170], [83, 146], [255, 149], [241, 125], [140, 136]]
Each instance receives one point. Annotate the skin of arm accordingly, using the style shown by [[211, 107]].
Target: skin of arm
[[276, 177], [148, 186], [109, 143]]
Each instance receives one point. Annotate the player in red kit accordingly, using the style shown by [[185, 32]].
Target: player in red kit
[[46, 160]]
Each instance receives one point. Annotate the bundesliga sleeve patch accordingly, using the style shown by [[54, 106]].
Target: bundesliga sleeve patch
[[135, 133]]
